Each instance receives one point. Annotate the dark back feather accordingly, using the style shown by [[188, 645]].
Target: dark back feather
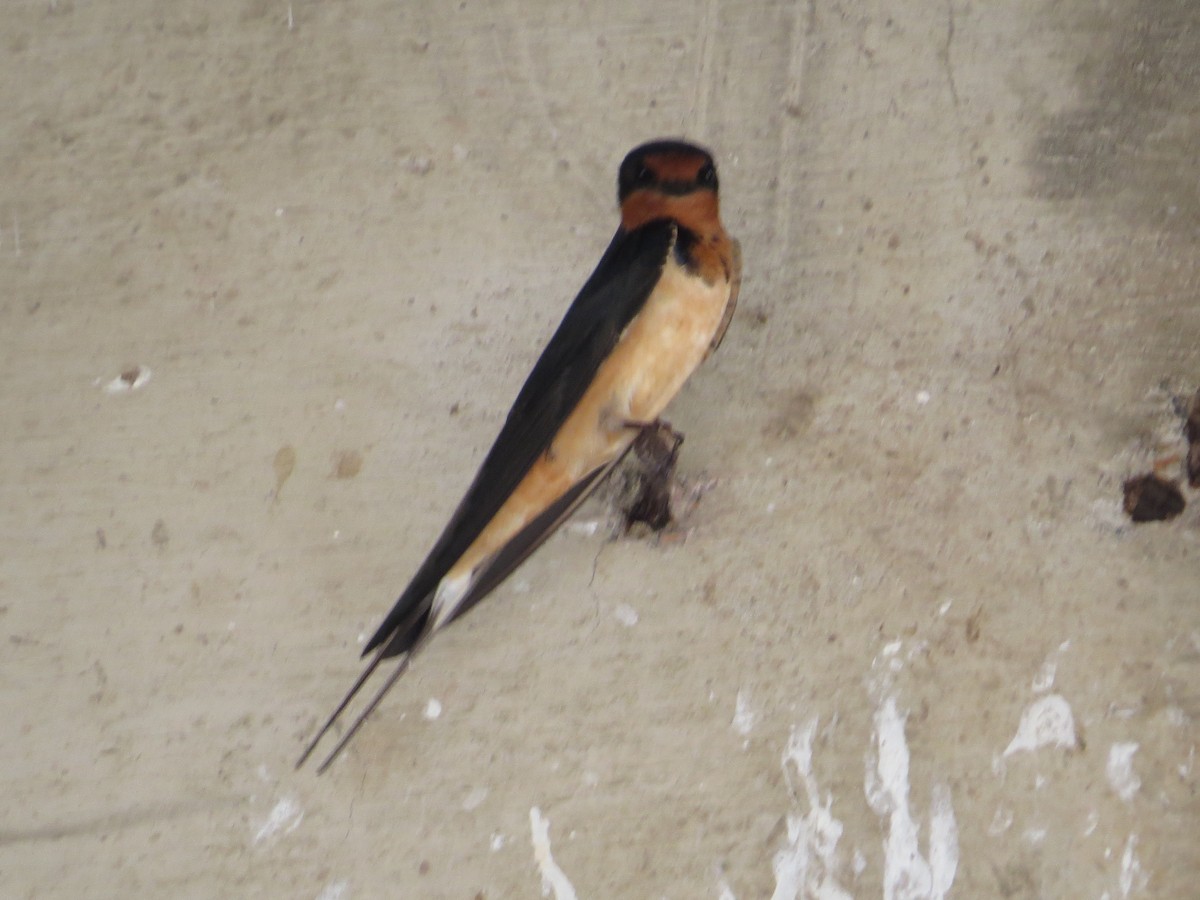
[[591, 328]]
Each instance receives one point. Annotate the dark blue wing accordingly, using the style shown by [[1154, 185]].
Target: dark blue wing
[[612, 296]]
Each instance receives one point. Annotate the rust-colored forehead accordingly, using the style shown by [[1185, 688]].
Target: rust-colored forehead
[[666, 167], [675, 165]]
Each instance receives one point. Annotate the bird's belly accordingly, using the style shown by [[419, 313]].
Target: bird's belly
[[659, 349], [664, 344]]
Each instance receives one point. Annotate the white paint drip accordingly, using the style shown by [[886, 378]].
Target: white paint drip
[[858, 863], [805, 867], [1044, 679], [1001, 822], [626, 615], [334, 891], [1121, 777], [908, 875], [583, 527], [1046, 722], [943, 840], [286, 817], [553, 878], [1132, 878], [130, 380], [475, 798], [1185, 769], [744, 718]]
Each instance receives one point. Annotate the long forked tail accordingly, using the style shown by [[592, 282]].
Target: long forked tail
[[341, 708], [405, 641], [362, 717]]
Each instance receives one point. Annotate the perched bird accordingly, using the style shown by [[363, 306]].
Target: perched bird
[[657, 305]]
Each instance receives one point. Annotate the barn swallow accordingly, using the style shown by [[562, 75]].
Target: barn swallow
[[656, 306]]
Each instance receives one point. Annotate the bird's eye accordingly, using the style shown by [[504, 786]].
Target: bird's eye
[[707, 175]]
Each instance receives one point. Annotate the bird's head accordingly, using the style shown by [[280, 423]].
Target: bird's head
[[667, 179]]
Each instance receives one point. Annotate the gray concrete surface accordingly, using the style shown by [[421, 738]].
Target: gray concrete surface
[[334, 235]]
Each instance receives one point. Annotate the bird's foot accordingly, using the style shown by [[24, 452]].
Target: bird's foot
[[656, 451]]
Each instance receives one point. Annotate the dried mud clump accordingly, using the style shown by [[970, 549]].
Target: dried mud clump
[[648, 502], [1150, 498], [1192, 430]]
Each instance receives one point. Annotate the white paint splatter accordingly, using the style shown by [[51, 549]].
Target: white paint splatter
[[908, 875], [286, 817], [433, 709], [1123, 712], [1046, 722], [626, 615], [1035, 835], [858, 863], [998, 767], [808, 862], [1044, 679], [553, 878], [744, 718], [475, 798], [335, 890], [1001, 822], [497, 842], [132, 379], [583, 527], [1132, 878], [1121, 777], [1185, 769], [943, 840]]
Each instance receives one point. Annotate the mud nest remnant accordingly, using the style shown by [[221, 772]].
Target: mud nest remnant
[[1151, 498], [648, 496]]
